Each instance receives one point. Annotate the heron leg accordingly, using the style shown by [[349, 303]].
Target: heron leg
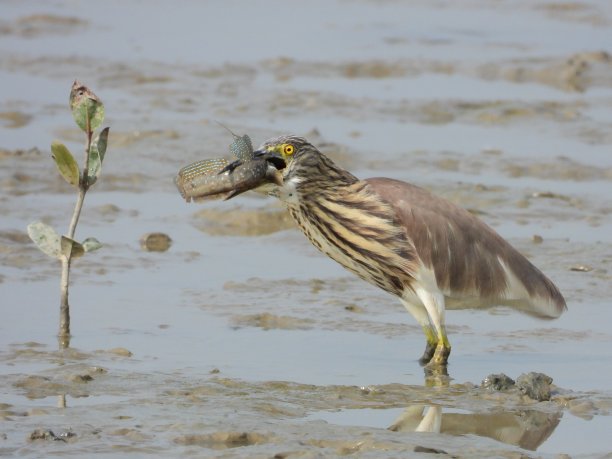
[[434, 305], [441, 354], [422, 317], [430, 345]]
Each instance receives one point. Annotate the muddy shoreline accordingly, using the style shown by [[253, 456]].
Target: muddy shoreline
[[216, 329]]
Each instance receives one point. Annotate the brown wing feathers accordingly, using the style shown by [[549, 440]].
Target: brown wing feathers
[[464, 252]]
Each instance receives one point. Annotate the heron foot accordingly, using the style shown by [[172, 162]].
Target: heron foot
[[428, 354], [440, 356]]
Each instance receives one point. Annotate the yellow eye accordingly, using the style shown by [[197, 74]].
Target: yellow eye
[[288, 149]]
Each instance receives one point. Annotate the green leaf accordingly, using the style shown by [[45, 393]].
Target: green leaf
[[101, 142], [71, 248], [87, 108], [96, 156], [65, 162], [94, 165], [90, 244], [46, 239]]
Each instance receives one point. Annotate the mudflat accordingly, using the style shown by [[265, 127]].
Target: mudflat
[[233, 337]]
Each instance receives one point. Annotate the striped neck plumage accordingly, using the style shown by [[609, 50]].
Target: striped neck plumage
[[311, 171]]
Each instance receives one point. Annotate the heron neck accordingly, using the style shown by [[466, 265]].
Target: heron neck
[[316, 172]]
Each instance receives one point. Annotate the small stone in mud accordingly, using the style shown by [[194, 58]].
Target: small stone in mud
[[537, 239], [155, 242], [581, 268], [497, 382], [215, 371], [44, 434], [535, 385]]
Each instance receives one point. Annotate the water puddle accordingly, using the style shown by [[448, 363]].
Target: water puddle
[[241, 339], [547, 433]]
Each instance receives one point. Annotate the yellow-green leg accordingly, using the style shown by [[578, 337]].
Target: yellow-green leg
[[434, 305], [442, 351], [431, 344], [415, 307]]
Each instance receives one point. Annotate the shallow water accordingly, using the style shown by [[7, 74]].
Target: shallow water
[[241, 340]]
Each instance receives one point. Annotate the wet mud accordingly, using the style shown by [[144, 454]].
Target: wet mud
[[214, 329], [289, 418]]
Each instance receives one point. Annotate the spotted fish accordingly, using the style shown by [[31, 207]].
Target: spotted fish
[[199, 177], [218, 178], [204, 180]]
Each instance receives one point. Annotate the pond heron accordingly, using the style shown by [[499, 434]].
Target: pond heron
[[419, 247]]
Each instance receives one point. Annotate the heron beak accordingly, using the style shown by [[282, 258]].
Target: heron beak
[[276, 163], [271, 157]]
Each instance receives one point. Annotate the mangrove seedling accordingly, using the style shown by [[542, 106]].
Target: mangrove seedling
[[88, 113]]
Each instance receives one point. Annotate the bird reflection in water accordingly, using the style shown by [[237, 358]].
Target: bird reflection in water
[[525, 428]]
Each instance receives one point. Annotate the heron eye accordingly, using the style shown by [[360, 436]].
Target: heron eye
[[288, 149]]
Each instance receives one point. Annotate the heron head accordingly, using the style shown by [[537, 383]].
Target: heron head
[[289, 148]]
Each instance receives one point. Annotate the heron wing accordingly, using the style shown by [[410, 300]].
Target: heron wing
[[468, 258]]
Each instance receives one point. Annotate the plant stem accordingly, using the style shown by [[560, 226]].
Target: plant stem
[[64, 326], [77, 211]]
